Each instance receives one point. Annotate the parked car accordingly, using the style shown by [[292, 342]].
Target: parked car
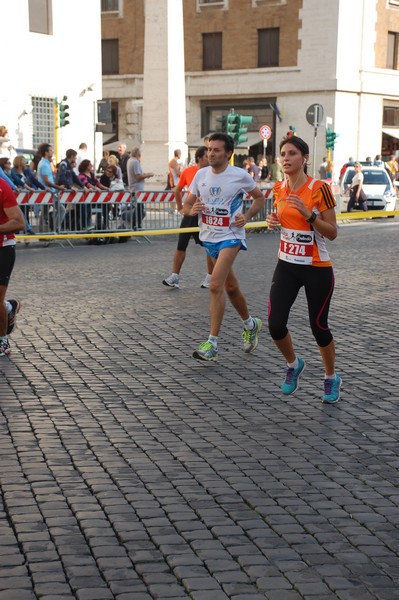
[[377, 185]]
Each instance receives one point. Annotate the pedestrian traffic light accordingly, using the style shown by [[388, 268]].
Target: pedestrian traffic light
[[291, 132], [330, 138], [223, 120], [63, 114], [242, 122]]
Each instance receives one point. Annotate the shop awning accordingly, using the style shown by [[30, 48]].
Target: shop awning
[[392, 131]]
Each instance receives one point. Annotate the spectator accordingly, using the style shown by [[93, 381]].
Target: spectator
[[323, 168], [45, 175], [19, 178], [66, 175], [5, 172], [276, 170], [175, 167], [87, 176], [114, 160], [136, 179], [264, 169], [111, 181], [378, 162], [6, 148], [123, 158], [81, 155], [253, 169], [356, 192], [103, 162]]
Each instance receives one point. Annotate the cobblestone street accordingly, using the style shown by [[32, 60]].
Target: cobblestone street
[[129, 471]]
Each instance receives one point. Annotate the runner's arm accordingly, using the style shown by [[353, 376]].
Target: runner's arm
[[192, 206], [257, 205], [16, 221]]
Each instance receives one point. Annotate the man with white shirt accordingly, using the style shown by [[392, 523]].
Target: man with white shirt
[[216, 195]]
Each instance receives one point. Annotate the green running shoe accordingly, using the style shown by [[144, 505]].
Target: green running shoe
[[206, 351], [250, 336]]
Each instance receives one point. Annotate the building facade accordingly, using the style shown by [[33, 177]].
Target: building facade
[[271, 59], [52, 53]]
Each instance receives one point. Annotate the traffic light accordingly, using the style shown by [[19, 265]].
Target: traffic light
[[63, 114], [236, 127], [223, 120], [330, 138], [231, 126], [291, 132], [242, 129]]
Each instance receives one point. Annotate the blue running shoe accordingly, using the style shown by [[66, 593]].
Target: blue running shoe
[[206, 351], [332, 390], [290, 383]]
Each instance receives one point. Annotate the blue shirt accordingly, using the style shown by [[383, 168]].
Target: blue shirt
[[5, 177], [44, 168]]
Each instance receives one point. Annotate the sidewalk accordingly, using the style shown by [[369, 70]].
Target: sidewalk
[[132, 472]]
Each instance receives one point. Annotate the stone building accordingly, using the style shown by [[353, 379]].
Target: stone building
[[271, 59]]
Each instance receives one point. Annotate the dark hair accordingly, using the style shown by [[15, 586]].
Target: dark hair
[[200, 153], [44, 148], [83, 165], [70, 153], [3, 161], [223, 137], [296, 141], [299, 143]]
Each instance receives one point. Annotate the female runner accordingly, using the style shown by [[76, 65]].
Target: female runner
[[305, 212]]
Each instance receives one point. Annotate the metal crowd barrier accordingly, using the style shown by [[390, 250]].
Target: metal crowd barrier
[[77, 212]]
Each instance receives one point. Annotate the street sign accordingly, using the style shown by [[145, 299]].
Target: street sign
[[314, 114], [265, 132]]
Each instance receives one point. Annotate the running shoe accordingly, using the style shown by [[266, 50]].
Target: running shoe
[[206, 351], [290, 383], [206, 281], [250, 336], [4, 347], [332, 390], [172, 281], [16, 307]]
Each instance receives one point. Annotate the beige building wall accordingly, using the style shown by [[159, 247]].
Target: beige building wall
[[335, 57]]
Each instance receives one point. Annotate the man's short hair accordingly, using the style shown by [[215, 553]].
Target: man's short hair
[[83, 146], [44, 148], [200, 153], [223, 137], [135, 150], [71, 153]]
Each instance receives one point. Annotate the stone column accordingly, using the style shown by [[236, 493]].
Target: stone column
[[164, 94]]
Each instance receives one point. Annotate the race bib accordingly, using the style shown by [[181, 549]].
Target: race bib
[[215, 220], [296, 246]]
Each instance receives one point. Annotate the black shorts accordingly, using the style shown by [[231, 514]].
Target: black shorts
[[7, 260], [184, 238]]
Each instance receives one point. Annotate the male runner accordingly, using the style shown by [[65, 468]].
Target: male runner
[[201, 161], [11, 220], [216, 194]]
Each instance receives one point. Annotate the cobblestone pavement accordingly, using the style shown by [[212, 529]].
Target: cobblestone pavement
[[131, 472]]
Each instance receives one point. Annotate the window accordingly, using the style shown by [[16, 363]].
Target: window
[[391, 116], [268, 47], [256, 3], [42, 121], [212, 3], [211, 51], [110, 57], [40, 16], [392, 50], [109, 5]]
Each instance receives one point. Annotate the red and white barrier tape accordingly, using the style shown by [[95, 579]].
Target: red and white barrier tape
[[103, 197]]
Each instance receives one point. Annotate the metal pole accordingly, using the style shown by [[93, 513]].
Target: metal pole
[[264, 148], [315, 124]]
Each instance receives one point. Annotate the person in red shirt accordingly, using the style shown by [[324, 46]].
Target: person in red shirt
[[201, 160], [11, 220]]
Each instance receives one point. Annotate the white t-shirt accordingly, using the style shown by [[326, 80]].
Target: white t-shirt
[[222, 194], [357, 179]]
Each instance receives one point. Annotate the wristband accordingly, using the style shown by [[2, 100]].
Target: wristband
[[312, 218]]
